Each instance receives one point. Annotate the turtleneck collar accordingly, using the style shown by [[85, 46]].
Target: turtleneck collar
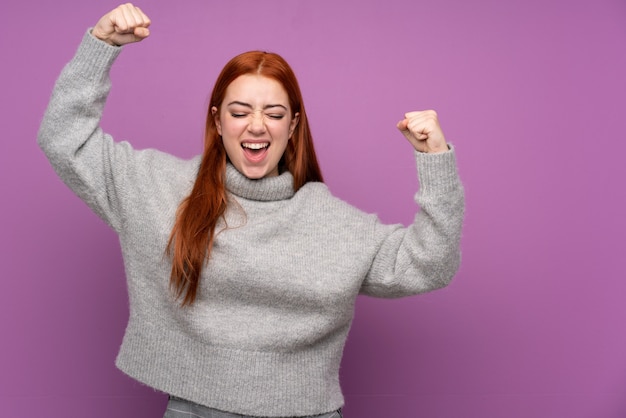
[[265, 189]]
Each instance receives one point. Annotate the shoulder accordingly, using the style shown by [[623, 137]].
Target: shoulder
[[167, 164], [321, 200], [154, 166]]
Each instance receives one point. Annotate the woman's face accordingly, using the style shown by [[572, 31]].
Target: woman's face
[[255, 124]]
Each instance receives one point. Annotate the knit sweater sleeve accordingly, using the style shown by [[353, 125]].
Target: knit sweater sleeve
[[425, 255], [85, 158]]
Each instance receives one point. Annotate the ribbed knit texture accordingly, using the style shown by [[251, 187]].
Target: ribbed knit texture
[[276, 300]]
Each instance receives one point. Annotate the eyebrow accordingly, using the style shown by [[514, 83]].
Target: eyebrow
[[269, 106]]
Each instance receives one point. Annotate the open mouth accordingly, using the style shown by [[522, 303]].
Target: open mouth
[[255, 150]]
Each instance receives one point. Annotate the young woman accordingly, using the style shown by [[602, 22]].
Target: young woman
[[242, 268]]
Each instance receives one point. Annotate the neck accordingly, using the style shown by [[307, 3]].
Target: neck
[[266, 189]]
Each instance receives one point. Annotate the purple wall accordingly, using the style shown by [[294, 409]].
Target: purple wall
[[532, 93]]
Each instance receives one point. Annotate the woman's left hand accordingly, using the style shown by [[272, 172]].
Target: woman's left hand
[[423, 131]]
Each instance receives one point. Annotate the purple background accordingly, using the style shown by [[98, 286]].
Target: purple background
[[532, 93]]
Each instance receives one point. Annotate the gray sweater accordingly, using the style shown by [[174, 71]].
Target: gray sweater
[[266, 334]]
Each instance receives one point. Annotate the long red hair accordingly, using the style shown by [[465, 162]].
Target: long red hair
[[192, 237]]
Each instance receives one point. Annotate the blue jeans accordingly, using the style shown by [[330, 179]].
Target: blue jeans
[[180, 408]]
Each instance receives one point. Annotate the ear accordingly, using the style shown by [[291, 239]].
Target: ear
[[293, 124], [216, 117]]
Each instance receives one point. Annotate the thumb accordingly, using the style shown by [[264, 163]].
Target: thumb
[[141, 32], [403, 126], [137, 35]]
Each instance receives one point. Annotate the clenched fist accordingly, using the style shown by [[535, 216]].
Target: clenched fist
[[423, 131], [123, 25]]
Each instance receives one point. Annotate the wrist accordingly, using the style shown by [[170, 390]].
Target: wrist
[[439, 149]]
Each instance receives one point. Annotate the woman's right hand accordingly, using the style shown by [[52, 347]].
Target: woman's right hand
[[123, 25]]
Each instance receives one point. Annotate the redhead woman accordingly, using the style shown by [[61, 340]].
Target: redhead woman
[[242, 268]]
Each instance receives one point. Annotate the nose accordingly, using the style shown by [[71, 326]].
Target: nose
[[257, 123]]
